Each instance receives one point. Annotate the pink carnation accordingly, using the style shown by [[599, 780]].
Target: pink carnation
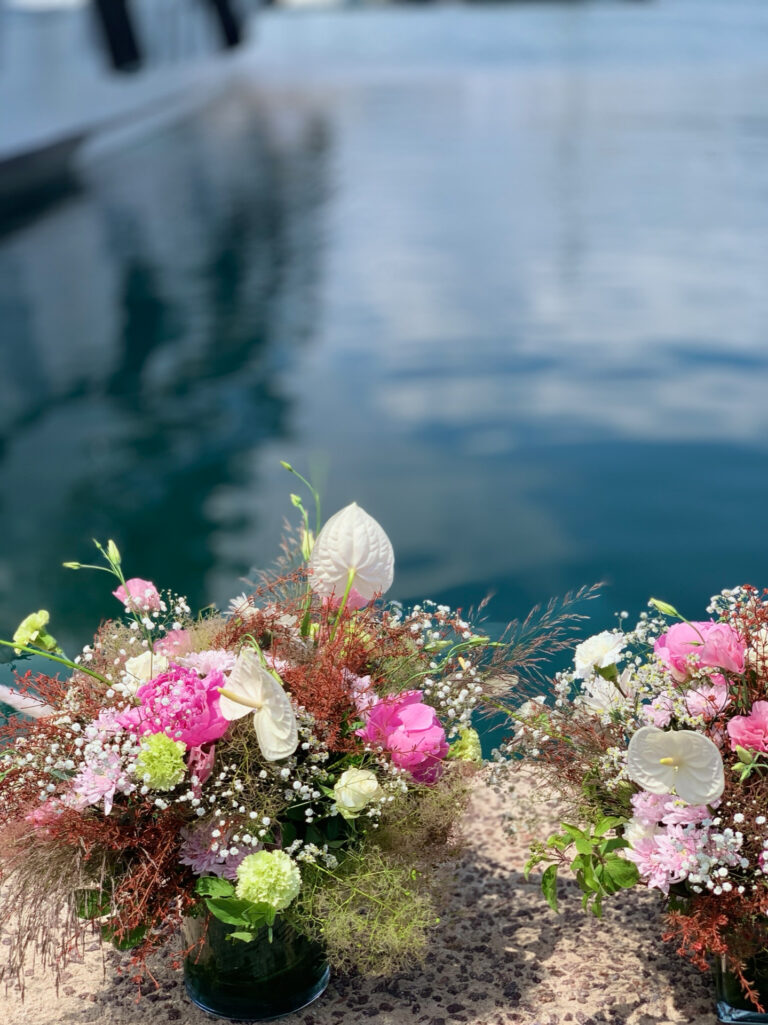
[[139, 595], [360, 690], [180, 704], [410, 730], [686, 646], [750, 731]]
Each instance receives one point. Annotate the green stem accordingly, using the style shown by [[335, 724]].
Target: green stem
[[55, 658], [355, 889], [350, 577]]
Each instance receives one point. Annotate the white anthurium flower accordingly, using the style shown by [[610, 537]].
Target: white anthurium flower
[[352, 542], [251, 687], [687, 762], [598, 652]]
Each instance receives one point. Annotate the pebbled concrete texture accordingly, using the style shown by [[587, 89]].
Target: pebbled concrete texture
[[501, 956]]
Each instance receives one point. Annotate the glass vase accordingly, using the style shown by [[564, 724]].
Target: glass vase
[[253, 981], [732, 1005]]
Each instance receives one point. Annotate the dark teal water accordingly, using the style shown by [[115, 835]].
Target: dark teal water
[[498, 274]]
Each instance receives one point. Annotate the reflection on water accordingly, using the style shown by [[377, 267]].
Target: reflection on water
[[145, 325], [508, 292]]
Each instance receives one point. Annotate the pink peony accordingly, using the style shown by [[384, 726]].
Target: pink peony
[[750, 731], [139, 595], [410, 730], [686, 646], [180, 704], [175, 642]]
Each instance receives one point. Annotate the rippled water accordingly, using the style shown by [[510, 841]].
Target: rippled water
[[497, 273]]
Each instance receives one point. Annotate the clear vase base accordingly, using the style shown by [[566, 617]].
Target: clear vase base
[[254, 1013]]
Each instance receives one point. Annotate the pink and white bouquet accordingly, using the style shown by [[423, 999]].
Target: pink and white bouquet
[[657, 739], [305, 754]]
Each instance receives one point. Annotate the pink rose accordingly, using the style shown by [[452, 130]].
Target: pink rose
[[688, 645], [175, 642], [750, 731], [410, 730], [139, 595], [181, 705]]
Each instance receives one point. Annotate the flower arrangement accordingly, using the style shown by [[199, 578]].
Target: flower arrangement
[[657, 741], [304, 755]]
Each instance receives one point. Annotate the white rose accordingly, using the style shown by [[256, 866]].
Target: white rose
[[355, 789], [598, 652], [143, 668]]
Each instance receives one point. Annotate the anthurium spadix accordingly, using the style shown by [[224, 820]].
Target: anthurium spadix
[[687, 762], [352, 551], [251, 687]]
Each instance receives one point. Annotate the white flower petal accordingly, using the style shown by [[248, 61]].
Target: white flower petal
[[275, 723], [696, 769], [273, 716], [352, 540]]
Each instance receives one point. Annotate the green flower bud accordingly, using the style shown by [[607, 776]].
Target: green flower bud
[[665, 608], [113, 552], [31, 632]]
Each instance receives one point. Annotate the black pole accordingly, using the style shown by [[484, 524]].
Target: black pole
[[118, 34], [229, 22]]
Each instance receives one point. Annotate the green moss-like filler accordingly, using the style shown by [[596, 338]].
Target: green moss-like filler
[[268, 877], [372, 914], [160, 764]]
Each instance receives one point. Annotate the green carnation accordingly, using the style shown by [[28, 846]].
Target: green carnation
[[268, 877], [161, 762], [32, 631], [467, 748]]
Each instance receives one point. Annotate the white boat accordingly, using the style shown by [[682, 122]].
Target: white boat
[[59, 84]]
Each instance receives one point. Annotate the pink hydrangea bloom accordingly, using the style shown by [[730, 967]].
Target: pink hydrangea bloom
[[706, 644], [750, 731], [410, 730], [659, 711], [197, 851], [139, 595], [708, 699], [180, 704], [361, 691], [173, 644], [100, 779]]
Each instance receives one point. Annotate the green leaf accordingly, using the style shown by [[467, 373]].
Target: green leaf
[[572, 831], [549, 886], [583, 846], [213, 886], [246, 937], [623, 874], [613, 843], [609, 822], [229, 910], [91, 904]]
